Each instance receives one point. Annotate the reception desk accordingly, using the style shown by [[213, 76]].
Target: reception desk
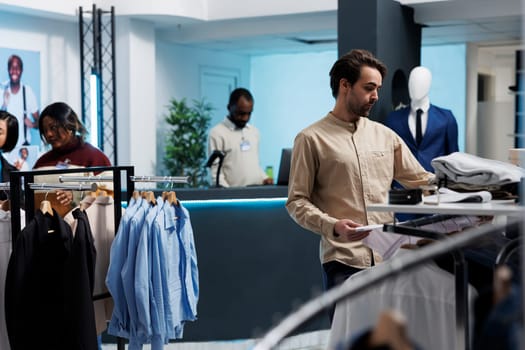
[[255, 263]]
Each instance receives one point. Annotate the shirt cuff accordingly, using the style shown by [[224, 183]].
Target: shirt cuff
[[327, 227]]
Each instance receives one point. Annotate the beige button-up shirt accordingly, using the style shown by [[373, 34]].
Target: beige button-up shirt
[[337, 169], [241, 163]]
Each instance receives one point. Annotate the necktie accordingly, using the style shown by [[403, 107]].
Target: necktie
[[419, 133]]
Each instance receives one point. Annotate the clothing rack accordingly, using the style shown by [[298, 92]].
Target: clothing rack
[[370, 278], [412, 228], [19, 188], [5, 186]]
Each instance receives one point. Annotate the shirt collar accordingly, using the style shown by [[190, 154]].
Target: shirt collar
[[229, 124], [352, 126]]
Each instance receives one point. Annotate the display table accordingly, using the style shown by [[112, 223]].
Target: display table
[[494, 207]]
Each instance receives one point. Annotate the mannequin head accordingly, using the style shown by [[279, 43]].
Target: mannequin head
[[419, 83]]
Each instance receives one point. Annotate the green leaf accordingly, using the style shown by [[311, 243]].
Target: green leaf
[[186, 141]]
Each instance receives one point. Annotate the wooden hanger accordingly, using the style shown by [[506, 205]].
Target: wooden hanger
[[46, 208], [172, 198], [135, 195], [150, 197], [102, 193]]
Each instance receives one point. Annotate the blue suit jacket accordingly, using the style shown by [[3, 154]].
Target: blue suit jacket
[[440, 138]]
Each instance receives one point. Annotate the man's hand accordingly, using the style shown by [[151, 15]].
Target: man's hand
[[345, 229], [18, 164], [65, 197]]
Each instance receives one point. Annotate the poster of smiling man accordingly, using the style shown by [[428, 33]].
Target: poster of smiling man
[[20, 96]]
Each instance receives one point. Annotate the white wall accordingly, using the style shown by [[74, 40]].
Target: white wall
[[178, 76], [495, 117], [448, 64], [290, 92], [136, 91]]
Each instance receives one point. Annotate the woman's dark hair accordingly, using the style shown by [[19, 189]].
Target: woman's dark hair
[[349, 67], [66, 118], [12, 131]]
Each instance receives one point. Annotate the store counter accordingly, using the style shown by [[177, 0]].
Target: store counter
[[255, 263]]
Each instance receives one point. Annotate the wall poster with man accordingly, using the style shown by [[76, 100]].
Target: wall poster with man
[[20, 96]]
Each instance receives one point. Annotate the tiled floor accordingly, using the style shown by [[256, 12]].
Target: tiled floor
[[307, 341]]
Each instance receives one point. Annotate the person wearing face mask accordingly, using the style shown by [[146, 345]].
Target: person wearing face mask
[[239, 142]]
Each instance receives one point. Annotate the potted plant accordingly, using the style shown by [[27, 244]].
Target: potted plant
[[187, 139]]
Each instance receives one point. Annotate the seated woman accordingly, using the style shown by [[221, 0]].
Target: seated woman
[[61, 128]]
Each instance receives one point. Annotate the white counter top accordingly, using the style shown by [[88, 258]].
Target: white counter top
[[495, 207]]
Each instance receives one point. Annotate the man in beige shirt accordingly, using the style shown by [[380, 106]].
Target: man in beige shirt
[[344, 162]]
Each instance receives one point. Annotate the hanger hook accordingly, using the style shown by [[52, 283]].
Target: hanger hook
[[45, 197]]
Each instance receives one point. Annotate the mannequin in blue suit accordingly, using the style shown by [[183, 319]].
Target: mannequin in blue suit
[[439, 126]]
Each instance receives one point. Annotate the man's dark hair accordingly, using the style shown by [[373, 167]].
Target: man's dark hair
[[349, 67], [66, 118], [237, 94], [11, 59], [12, 131]]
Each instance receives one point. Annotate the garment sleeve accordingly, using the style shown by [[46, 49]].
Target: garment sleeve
[[302, 177], [215, 143], [407, 170]]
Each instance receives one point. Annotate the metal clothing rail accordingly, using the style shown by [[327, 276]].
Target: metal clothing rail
[[86, 178], [172, 179], [78, 187], [371, 277], [5, 186]]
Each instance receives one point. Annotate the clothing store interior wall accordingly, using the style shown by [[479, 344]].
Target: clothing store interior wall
[[290, 86]]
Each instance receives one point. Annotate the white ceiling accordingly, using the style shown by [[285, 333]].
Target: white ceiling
[[486, 23], [483, 22]]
